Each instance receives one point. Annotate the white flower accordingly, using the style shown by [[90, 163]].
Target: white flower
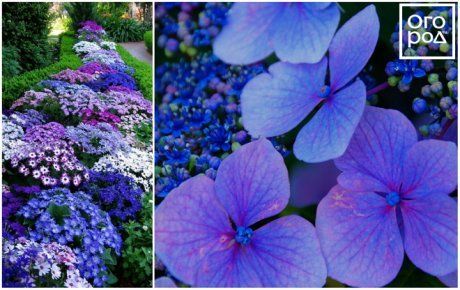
[[55, 271], [42, 267], [108, 45], [84, 47]]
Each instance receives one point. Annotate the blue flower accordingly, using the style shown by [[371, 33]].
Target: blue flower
[[408, 69]]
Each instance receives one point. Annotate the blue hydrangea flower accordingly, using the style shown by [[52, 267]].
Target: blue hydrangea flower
[[296, 32], [206, 234], [392, 198], [273, 103]]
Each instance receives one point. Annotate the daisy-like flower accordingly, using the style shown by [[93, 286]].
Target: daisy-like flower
[[55, 271], [36, 174], [43, 267]]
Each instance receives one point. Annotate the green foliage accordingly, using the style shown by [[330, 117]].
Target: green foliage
[[58, 212], [13, 88], [112, 9], [10, 62], [137, 247], [81, 11], [144, 132], [123, 30], [143, 74], [26, 27], [148, 40]]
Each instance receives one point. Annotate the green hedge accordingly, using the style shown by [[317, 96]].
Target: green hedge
[[13, 88], [143, 75], [148, 40]]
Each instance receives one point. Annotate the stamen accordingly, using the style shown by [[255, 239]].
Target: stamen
[[243, 235], [393, 198], [325, 91]]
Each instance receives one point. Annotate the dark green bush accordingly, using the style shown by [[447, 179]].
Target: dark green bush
[[148, 40], [143, 74], [123, 30], [81, 11], [10, 62], [26, 27], [13, 88], [137, 247]]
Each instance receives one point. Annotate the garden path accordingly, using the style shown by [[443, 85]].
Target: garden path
[[138, 50]]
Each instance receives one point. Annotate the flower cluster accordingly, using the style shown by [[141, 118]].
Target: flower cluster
[[136, 164], [70, 224], [198, 121], [97, 139], [30, 264], [186, 27], [73, 77], [71, 218], [116, 194], [438, 93]]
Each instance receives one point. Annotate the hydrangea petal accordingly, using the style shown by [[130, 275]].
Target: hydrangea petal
[[357, 181], [283, 253], [252, 183], [430, 233], [430, 167], [189, 224], [164, 282], [359, 237], [316, 5], [273, 103], [246, 36], [379, 144], [303, 34], [352, 46], [328, 133], [450, 280]]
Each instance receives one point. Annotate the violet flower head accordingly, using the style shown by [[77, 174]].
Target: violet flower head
[[273, 103], [205, 232], [296, 32], [392, 198]]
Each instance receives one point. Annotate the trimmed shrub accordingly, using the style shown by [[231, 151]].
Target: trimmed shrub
[[13, 88], [26, 27], [148, 40], [143, 74], [10, 62]]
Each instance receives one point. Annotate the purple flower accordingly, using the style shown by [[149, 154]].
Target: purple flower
[[205, 231], [274, 103], [392, 197], [297, 32]]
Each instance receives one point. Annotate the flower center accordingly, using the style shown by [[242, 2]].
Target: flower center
[[324, 92], [393, 198], [243, 235]]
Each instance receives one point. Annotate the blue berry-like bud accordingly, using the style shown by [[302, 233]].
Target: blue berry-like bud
[[240, 136], [435, 112], [243, 235], [422, 50], [451, 74], [449, 63], [172, 45], [392, 198], [432, 78], [419, 106], [436, 88], [427, 65], [435, 128], [445, 103], [426, 91], [403, 87], [424, 130]]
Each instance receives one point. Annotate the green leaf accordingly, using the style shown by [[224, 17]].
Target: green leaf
[[58, 212], [109, 257], [112, 279]]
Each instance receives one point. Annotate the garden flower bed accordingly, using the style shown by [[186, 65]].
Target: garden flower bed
[[77, 172]]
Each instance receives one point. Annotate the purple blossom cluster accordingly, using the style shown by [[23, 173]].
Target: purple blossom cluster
[[63, 227], [72, 219], [73, 77], [183, 28]]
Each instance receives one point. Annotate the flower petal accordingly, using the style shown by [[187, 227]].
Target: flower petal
[[328, 133], [252, 183], [450, 280], [352, 46], [283, 253], [189, 224], [430, 167], [360, 182], [288, 254], [379, 144], [430, 233], [164, 282], [303, 34], [273, 103], [246, 36], [360, 239]]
